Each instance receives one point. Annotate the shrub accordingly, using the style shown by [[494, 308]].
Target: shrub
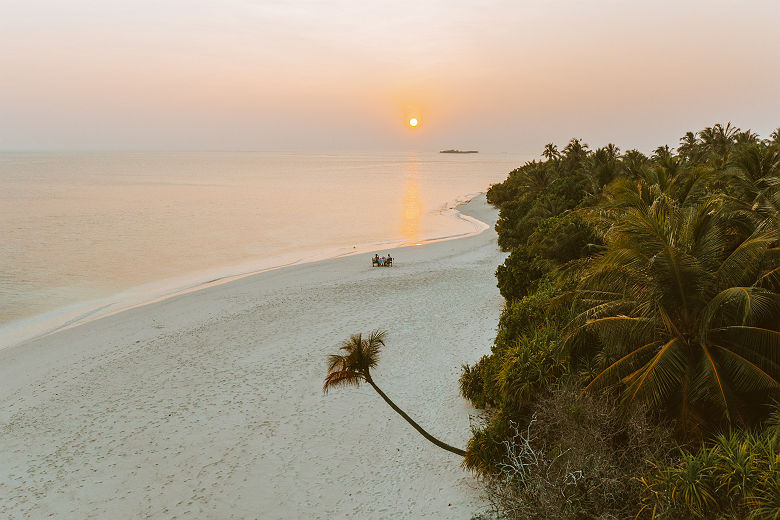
[[531, 365], [734, 477], [525, 315], [520, 273], [563, 238], [576, 458], [485, 448], [478, 382]]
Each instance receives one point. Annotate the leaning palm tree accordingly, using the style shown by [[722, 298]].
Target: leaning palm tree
[[354, 366]]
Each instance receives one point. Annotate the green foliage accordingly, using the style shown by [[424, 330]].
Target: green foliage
[[527, 343], [564, 238], [531, 365], [524, 315], [533, 193], [478, 382], [485, 448], [736, 476], [674, 299], [519, 273], [512, 228], [654, 281]]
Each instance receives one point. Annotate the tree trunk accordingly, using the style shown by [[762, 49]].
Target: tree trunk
[[416, 426]]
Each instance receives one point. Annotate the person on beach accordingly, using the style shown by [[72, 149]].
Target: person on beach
[[389, 259], [376, 258], [382, 261]]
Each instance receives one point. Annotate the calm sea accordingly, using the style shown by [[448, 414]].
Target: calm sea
[[84, 234]]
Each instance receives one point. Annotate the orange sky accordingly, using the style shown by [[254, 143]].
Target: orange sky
[[500, 76]]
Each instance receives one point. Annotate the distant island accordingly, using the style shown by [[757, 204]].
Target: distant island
[[459, 151]]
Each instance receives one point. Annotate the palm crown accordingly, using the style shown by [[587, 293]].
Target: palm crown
[[353, 366]]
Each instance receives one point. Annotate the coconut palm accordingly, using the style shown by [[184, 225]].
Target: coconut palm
[[755, 180], [551, 152], [354, 366], [575, 152], [633, 162], [675, 304], [775, 136], [719, 138], [690, 147], [746, 137], [535, 179]]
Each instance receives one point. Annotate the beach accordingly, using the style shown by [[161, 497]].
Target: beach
[[209, 404]]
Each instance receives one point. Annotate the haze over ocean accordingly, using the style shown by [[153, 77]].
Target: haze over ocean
[[86, 231]]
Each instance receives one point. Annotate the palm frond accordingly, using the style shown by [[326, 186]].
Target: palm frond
[[744, 262], [744, 305], [338, 378], [660, 376], [760, 341], [745, 375], [716, 378], [609, 374]]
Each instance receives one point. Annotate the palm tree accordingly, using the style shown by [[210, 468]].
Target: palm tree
[[662, 153], [354, 366], [603, 166], [535, 179], [755, 181], [690, 147], [775, 136], [718, 140], [675, 306], [633, 162], [551, 152], [746, 137], [575, 153]]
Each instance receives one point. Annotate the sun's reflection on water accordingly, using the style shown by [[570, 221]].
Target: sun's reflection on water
[[411, 208]]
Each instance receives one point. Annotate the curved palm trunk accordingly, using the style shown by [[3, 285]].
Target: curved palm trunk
[[416, 426]]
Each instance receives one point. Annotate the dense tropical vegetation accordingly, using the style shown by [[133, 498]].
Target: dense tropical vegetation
[[642, 291]]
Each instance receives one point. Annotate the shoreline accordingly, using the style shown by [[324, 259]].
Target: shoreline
[[18, 332], [211, 402]]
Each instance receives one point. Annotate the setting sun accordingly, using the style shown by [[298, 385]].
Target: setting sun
[[413, 122]]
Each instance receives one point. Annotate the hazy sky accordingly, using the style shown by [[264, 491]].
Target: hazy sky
[[338, 75]]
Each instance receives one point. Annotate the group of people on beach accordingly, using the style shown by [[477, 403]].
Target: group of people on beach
[[384, 261]]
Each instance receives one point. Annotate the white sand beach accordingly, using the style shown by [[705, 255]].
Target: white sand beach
[[209, 405]]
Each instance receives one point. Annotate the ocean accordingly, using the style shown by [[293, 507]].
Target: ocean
[[86, 234]]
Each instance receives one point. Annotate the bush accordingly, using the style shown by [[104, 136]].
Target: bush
[[485, 448], [478, 382], [576, 458], [520, 273], [531, 365], [512, 228], [525, 315], [563, 238], [738, 476]]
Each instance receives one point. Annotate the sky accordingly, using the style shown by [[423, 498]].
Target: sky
[[505, 76]]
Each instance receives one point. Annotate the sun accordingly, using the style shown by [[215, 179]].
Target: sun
[[413, 122]]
